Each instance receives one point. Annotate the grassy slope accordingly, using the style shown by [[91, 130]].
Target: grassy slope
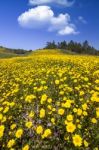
[[4, 53], [51, 51]]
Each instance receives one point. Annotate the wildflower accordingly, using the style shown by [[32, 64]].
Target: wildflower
[[2, 127], [56, 82], [49, 100], [75, 110], [84, 106], [47, 133], [39, 129], [53, 120], [95, 97], [69, 117], [28, 124], [43, 98], [11, 143], [6, 110], [86, 143], [42, 113], [67, 104], [93, 120], [19, 133], [1, 116], [29, 98], [79, 112], [13, 126], [70, 127], [31, 114], [61, 111], [97, 113], [82, 93], [26, 147], [77, 140]]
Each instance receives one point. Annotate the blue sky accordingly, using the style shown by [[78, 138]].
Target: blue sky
[[29, 24]]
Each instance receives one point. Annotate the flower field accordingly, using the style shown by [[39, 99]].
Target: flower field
[[49, 101]]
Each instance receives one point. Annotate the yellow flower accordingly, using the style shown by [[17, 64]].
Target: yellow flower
[[6, 110], [42, 113], [77, 140], [1, 116], [97, 81], [86, 79], [54, 109], [47, 133], [86, 143], [29, 98], [75, 110], [19, 133], [1, 108], [53, 120], [49, 100], [66, 122], [28, 124], [49, 107], [93, 120], [2, 127], [95, 97], [26, 147], [97, 113], [67, 104], [69, 117], [70, 127], [79, 112], [84, 106], [13, 126], [81, 93], [31, 114], [56, 82], [43, 98], [61, 92], [39, 129], [4, 119], [61, 111], [79, 126], [11, 143], [96, 148], [85, 113]]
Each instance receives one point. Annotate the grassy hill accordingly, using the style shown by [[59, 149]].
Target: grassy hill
[[52, 52], [4, 53], [9, 53]]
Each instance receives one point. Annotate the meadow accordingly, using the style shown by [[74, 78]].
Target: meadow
[[49, 101]]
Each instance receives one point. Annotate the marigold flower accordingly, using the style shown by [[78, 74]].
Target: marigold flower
[[77, 140], [19, 133], [70, 127]]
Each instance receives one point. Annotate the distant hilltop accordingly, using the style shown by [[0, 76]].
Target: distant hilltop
[[64, 47], [8, 52], [80, 48]]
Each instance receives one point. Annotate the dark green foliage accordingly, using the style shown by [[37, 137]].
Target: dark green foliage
[[51, 45], [80, 48]]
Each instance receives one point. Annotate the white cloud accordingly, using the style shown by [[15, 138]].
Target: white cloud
[[36, 17], [68, 30], [66, 3], [81, 19], [44, 17]]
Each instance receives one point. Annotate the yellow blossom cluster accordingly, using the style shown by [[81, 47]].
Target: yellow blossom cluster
[[49, 101]]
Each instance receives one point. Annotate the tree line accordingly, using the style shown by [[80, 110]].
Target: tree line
[[81, 48]]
